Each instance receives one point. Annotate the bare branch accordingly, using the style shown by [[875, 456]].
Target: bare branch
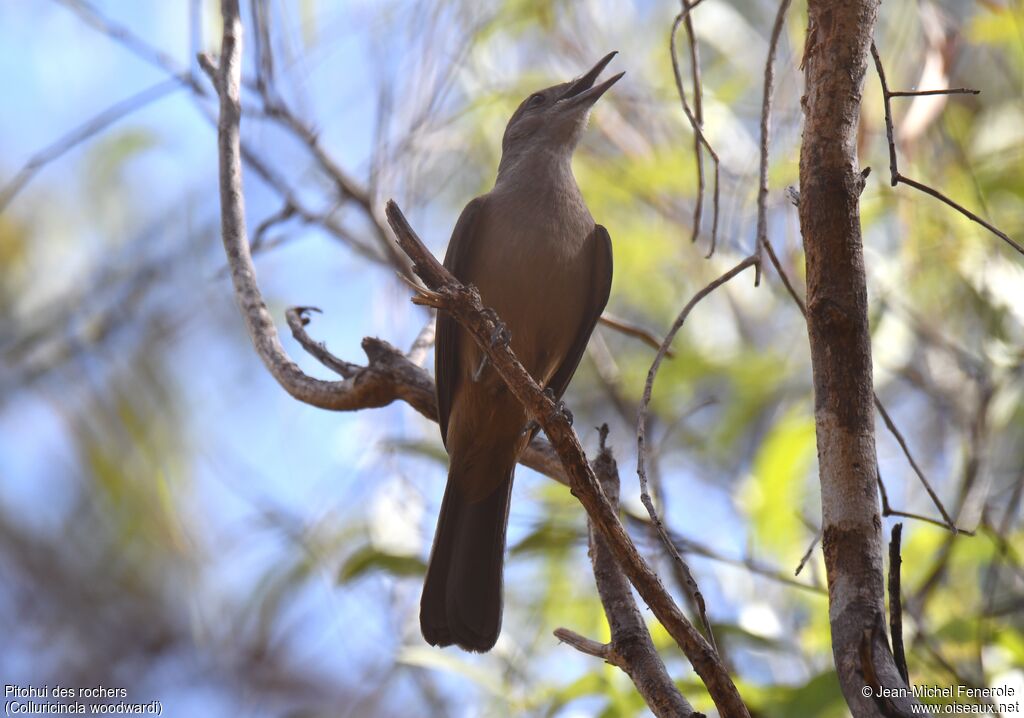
[[624, 326], [85, 131], [896, 603], [641, 435], [913, 464], [925, 93], [696, 121], [381, 251], [887, 420], [424, 341], [808, 553], [588, 646], [766, 115], [631, 647], [298, 318], [895, 177], [690, 546], [136, 45]]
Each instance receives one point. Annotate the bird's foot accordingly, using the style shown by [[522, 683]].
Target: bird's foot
[[480, 369], [531, 426], [501, 335], [560, 407]]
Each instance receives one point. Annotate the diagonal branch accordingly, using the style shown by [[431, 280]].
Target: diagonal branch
[[86, 131], [641, 436], [886, 419], [631, 647]]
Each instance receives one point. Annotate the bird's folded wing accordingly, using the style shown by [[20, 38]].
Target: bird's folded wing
[[599, 244], [446, 347]]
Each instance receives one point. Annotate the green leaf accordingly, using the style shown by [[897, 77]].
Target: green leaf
[[545, 538], [369, 558], [776, 492]]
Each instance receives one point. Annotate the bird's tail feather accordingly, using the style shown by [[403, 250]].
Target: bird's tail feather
[[462, 593]]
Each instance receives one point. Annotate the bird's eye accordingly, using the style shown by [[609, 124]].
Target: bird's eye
[[535, 100]]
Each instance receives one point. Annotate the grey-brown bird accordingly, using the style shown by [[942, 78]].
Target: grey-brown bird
[[533, 250]]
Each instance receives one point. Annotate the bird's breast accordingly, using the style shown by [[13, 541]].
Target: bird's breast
[[533, 268]]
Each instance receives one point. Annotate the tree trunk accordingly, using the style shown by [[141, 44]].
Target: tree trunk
[[835, 59]]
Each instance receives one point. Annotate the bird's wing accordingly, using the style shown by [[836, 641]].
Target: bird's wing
[[600, 245], [446, 343]]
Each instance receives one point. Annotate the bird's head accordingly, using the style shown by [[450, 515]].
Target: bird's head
[[553, 119]]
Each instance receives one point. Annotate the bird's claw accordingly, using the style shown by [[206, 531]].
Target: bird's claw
[[480, 369], [560, 407], [531, 426], [501, 334]]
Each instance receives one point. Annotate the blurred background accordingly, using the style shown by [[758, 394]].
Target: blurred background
[[173, 523]]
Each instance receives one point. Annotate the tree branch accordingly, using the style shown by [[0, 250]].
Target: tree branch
[[896, 603], [631, 647], [641, 437], [696, 120], [887, 420], [894, 173], [85, 131], [766, 116]]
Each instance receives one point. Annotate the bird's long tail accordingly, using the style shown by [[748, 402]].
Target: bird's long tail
[[461, 601]]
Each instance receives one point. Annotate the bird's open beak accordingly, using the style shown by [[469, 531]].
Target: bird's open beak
[[583, 91]]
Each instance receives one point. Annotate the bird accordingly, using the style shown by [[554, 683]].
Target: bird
[[534, 252]]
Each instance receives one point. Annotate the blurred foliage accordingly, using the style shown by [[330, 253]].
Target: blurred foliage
[[166, 524]]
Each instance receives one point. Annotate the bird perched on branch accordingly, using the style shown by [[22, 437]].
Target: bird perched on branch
[[531, 247]]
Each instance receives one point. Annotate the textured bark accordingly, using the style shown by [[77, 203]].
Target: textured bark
[[836, 55], [631, 644]]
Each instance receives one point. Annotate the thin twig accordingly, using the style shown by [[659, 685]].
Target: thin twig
[[808, 553], [896, 603], [381, 251], [925, 93], [962, 210], [641, 434], [298, 318], [136, 45], [888, 510], [424, 341], [690, 546], [696, 123], [913, 464], [630, 329], [887, 420], [587, 645], [766, 114], [895, 177], [279, 217], [698, 112], [83, 132]]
